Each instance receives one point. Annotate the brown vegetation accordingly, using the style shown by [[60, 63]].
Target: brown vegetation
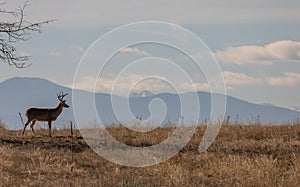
[[252, 155]]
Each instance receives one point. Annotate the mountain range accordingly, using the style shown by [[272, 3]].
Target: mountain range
[[19, 93]]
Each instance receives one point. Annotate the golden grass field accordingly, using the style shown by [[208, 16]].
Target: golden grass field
[[241, 155]]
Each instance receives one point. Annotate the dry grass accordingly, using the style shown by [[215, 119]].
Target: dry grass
[[251, 155]]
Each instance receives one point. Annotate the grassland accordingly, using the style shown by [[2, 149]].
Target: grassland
[[251, 155]]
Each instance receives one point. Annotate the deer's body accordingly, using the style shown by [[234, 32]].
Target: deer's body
[[45, 114]]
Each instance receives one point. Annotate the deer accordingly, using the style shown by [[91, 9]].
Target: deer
[[45, 114]]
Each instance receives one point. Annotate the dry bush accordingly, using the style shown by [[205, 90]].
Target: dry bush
[[2, 126], [252, 155]]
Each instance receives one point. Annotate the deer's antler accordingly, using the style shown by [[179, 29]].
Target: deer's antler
[[61, 96]]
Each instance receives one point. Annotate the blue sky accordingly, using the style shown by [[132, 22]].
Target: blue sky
[[256, 42]]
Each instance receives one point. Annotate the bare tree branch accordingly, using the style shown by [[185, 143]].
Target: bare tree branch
[[15, 31]]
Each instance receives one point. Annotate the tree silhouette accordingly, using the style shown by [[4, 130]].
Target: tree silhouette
[[13, 29]]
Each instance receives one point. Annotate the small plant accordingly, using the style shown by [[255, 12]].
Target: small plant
[[296, 121], [2, 126]]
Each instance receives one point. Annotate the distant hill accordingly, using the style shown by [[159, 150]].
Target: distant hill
[[19, 93]]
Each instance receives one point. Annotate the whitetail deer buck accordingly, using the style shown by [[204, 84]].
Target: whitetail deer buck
[[45, 114]]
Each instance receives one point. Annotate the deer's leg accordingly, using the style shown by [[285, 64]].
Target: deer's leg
[[49, 124], [28, 121], [31, 126]]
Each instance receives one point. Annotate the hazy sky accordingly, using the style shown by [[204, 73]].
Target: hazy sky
[[257, 42]]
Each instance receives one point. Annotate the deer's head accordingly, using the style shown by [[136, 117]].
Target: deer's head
[[61, 100]]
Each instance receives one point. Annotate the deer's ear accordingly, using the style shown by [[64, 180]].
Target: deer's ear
[[64, 101]]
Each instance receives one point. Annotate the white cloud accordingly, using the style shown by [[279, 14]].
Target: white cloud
[[284, 51], [135, 51], [136, 83], [133, 81], [233, 78], [197, 86], [288, 79]]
